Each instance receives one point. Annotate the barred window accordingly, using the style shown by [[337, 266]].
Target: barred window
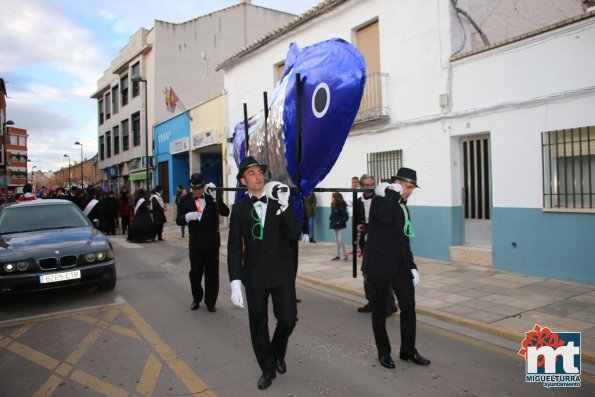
[[383, 165], [569, 168]]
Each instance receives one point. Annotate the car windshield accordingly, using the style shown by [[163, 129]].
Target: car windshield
[[18, 219]]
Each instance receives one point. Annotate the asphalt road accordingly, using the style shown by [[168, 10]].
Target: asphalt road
[[142, 340]]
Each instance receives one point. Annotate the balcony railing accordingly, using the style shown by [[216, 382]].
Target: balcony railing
[[374, 104]]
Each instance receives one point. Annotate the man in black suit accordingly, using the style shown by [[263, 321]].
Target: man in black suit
[[159, 208], [361, 216], [389, 262], [199, 211], [260, 255]]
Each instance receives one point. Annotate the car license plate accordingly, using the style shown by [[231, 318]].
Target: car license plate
[[56, 277]]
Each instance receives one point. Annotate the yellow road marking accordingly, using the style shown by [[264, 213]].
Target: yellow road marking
[[125, 331], [64, 369], [21, 331], [37, 357], [186, 375], [48, 388], [84, 346], [148, 379], [98, 385], [111, 315], [85, 319]]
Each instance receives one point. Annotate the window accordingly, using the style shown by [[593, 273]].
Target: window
[[136, 129], [101, 148], [374, 100], [125, 137], [100, 106], [115, 101], [14, 140], [279, 71], [22, 141], [383, 165], [108, 144], [116, 140], [124, 90], [135, 84], [569, 168], [107, 106]]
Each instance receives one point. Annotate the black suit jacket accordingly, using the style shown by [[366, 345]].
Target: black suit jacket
[[262, 263], [203, 233], [158, 212], [387, 247]]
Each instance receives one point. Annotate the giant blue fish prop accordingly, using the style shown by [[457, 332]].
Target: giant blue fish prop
[[333, 75]]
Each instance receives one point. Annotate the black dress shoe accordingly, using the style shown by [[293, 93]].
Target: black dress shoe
[[160, 239], [266, 380], [386, 361], [365, 309], [194, 306], [297, 300], [212, 309], [280, 365], [415, 357]]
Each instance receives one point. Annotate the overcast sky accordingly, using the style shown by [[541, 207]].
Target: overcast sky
[[54, 51]]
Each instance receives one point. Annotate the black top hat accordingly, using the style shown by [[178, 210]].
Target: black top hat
[[407, 175], [197, 181], [247, 163]]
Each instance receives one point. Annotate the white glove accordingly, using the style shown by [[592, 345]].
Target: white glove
[[380, 189], [236, 293], [396, 187], [283, 195], [415, 277], [210, 189], [305, 239], [191, 216]]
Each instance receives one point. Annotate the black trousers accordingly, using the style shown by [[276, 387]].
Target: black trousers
[[402, 284], [125, 224], [284, 310], [158, 229], [204, 262], [390, 296]]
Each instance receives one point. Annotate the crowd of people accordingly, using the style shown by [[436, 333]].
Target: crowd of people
[[140, 218], [262, 250]]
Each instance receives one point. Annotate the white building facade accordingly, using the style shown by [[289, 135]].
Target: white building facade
[[483, 125]]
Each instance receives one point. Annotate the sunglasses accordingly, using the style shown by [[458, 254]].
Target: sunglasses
[[257, 228]]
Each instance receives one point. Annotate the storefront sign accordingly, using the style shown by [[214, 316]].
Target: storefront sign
[[179, 146], [203, 139]]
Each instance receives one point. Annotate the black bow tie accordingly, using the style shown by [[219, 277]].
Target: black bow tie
[[255, 199]]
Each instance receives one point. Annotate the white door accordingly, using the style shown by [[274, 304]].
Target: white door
[[477, 191]]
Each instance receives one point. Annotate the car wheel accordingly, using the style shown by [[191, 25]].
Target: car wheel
[[109, 284]]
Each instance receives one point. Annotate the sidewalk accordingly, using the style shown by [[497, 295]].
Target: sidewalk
[[492, 301]]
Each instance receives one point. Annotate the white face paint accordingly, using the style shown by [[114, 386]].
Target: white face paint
[[321, 99]]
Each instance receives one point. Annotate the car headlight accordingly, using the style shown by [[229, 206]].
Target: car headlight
[[98, 256], [22, 266], [9, 267]]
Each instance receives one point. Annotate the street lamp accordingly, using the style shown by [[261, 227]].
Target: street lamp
[[68, 170], [4, 131], [33, 175], [139, 79], [82, 177]]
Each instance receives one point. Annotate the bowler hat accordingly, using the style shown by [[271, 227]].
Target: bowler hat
[[247, 163], [407, 175], [197, 181]]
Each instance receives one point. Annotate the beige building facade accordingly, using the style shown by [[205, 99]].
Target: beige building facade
[[175, 63]]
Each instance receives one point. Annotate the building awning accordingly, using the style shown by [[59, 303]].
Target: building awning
[[139, 176]]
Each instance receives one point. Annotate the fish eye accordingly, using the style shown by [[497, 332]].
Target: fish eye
[[321, 100]]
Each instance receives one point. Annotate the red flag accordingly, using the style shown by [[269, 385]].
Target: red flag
[[171, 99]]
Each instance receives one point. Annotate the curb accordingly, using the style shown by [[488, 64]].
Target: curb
[[450, 318]]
